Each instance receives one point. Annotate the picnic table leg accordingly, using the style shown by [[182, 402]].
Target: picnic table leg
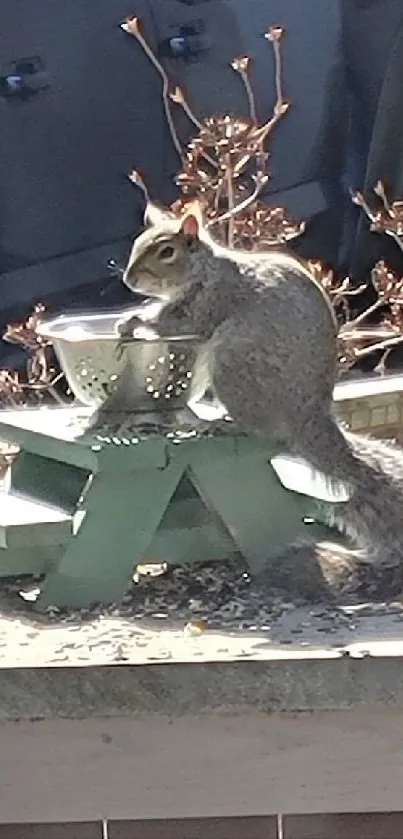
[[261, 516], [123, 511]]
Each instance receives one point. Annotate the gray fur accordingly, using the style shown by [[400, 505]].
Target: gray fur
[[271, 346]]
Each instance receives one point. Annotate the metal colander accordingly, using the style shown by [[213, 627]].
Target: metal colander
[[158, 374]]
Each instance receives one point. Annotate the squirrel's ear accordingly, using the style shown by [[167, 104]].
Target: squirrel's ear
[[190, 227], [155, 215]]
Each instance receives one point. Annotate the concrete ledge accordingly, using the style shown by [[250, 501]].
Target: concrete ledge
[[307, 659], [368, 386], [178, 689]]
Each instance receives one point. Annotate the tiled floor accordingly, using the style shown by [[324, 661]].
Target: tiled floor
[[343, 826], [53, 830], [246, 827], [316, 826]]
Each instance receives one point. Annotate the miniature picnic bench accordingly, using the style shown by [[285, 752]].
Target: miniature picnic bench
[[84, 510]]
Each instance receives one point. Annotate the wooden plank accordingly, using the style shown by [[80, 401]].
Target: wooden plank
[[29, 560], [127, 454], [46, 481], [50, 432], [25, 523], [123, 512], [261, 516], [59, 433]]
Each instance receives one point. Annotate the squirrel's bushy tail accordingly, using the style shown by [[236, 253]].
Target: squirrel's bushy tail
[[372, 470]]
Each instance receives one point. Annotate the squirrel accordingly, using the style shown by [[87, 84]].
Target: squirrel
[[270, 354]]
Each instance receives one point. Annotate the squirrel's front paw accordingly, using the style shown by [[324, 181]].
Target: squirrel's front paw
[[133, 329], [126, 327]]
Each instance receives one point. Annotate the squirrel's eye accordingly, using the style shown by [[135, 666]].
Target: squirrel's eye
[[167, 253]]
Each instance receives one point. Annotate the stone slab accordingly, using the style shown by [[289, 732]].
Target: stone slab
[[113, 666]]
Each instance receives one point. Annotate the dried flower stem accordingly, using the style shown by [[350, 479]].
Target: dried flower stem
[[230, 201], [379, 190], [265, 130], [396, 238], [243, 205], [364, 315], [358, 198], [278, 70], [381, 345], [260, 134], [240, 65], [137, 180], [250, 94], [281, 106], [179, 98], [386, 221], [131, 26], [364, 334]]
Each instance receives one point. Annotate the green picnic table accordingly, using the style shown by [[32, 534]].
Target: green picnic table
[[85, 508]]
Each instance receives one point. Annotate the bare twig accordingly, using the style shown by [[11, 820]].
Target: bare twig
[[366, 314], [239, 208], [179, 98], [137, 180], [240, 65], [132, 27], [388, 219], [230, 199]]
